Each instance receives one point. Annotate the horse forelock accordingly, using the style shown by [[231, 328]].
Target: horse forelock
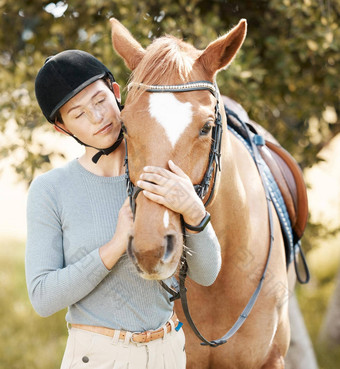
[[168, 60]]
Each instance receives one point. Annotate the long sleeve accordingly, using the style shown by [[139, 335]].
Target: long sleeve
[[203, 256], [71, 213], [51, 285]]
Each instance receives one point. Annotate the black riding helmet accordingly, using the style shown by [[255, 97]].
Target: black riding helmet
[[62, 77]]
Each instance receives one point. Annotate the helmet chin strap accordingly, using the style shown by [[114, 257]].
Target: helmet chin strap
[[100, 152], [110, 149]]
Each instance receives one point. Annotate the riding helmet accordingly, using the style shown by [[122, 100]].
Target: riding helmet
[[63, 76]]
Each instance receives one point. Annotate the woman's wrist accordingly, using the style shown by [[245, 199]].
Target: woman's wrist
[[194, 218], [111, 252]]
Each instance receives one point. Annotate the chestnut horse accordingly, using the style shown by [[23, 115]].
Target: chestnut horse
[[163, 126]]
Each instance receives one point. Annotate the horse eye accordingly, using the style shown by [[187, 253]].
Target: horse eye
[[205, 129]]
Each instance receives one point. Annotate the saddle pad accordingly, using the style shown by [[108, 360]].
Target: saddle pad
[[285, 169], [277, 200]]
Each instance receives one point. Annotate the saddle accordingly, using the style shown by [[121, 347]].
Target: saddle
[[284, 168]]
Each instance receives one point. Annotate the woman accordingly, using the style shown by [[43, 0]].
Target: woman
[[79, 221]]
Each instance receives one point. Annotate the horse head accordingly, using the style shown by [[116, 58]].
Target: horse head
[[168, 125]]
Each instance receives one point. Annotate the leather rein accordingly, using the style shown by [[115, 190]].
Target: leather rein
[[202, 189]]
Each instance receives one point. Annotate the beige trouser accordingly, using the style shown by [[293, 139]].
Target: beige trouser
[[89, 350]]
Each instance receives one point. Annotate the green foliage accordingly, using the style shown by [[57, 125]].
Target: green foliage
[[285, 75], [323, 257], [27, 341], [313, 300]]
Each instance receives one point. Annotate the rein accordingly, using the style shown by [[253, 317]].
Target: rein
[[202, 189]]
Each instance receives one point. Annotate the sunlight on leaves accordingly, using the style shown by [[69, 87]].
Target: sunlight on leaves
[[56, 9]]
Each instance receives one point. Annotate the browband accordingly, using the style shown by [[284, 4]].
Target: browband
[[185, 87]]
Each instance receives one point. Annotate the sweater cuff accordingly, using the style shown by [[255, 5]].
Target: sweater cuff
[[100, 269], [208, 233]]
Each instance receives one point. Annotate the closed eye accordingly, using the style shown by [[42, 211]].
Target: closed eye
[[79, 115]]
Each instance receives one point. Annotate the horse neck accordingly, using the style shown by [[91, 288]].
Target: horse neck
[[230, 209]]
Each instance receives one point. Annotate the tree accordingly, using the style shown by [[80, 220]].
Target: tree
[[285, 76]]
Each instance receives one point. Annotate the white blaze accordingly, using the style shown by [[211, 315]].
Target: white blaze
[[166, 219], [173, 115]]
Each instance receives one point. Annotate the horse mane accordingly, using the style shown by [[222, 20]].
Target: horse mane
[[168, 60]]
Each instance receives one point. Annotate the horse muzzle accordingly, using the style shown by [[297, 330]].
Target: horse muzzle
[[156, 261]]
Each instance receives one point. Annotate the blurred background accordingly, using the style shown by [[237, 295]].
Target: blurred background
[[286, 76]]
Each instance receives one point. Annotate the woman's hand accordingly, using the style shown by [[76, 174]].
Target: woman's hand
[[173, 189], [124, 224], [115, 248]]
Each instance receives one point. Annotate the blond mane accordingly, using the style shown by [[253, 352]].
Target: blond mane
[[168, 60]]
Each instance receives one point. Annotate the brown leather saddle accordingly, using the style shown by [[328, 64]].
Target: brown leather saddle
[[284, 168]]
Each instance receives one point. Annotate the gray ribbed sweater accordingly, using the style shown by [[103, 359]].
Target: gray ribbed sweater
[[71, 213]]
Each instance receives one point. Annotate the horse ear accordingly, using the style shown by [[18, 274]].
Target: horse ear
[[125, 45], [220, 53]]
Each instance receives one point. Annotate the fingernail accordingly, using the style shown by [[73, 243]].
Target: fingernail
[[139, 182]]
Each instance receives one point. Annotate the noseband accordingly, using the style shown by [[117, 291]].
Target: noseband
[[202, 188]]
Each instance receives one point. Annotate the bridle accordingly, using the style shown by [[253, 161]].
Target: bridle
[[214, 162], [202, 189]]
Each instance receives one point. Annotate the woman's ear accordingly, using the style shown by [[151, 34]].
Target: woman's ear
[[116, 91], [60, 127]]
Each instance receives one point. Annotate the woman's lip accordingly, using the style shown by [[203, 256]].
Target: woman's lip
[[105, 129]]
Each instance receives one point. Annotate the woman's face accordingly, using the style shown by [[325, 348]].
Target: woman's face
[[93, 115]]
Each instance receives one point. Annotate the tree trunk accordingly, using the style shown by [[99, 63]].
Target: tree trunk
[[301, 353], [330, 331]]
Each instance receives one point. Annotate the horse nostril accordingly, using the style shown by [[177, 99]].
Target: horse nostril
[[169, 246]]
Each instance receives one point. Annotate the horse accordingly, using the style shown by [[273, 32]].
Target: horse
[[238, 206]]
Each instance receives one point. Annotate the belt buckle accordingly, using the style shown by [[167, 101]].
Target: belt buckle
[[133, 333], [146, 333]]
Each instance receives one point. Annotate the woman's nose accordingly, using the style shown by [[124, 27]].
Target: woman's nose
[[95, 115]]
